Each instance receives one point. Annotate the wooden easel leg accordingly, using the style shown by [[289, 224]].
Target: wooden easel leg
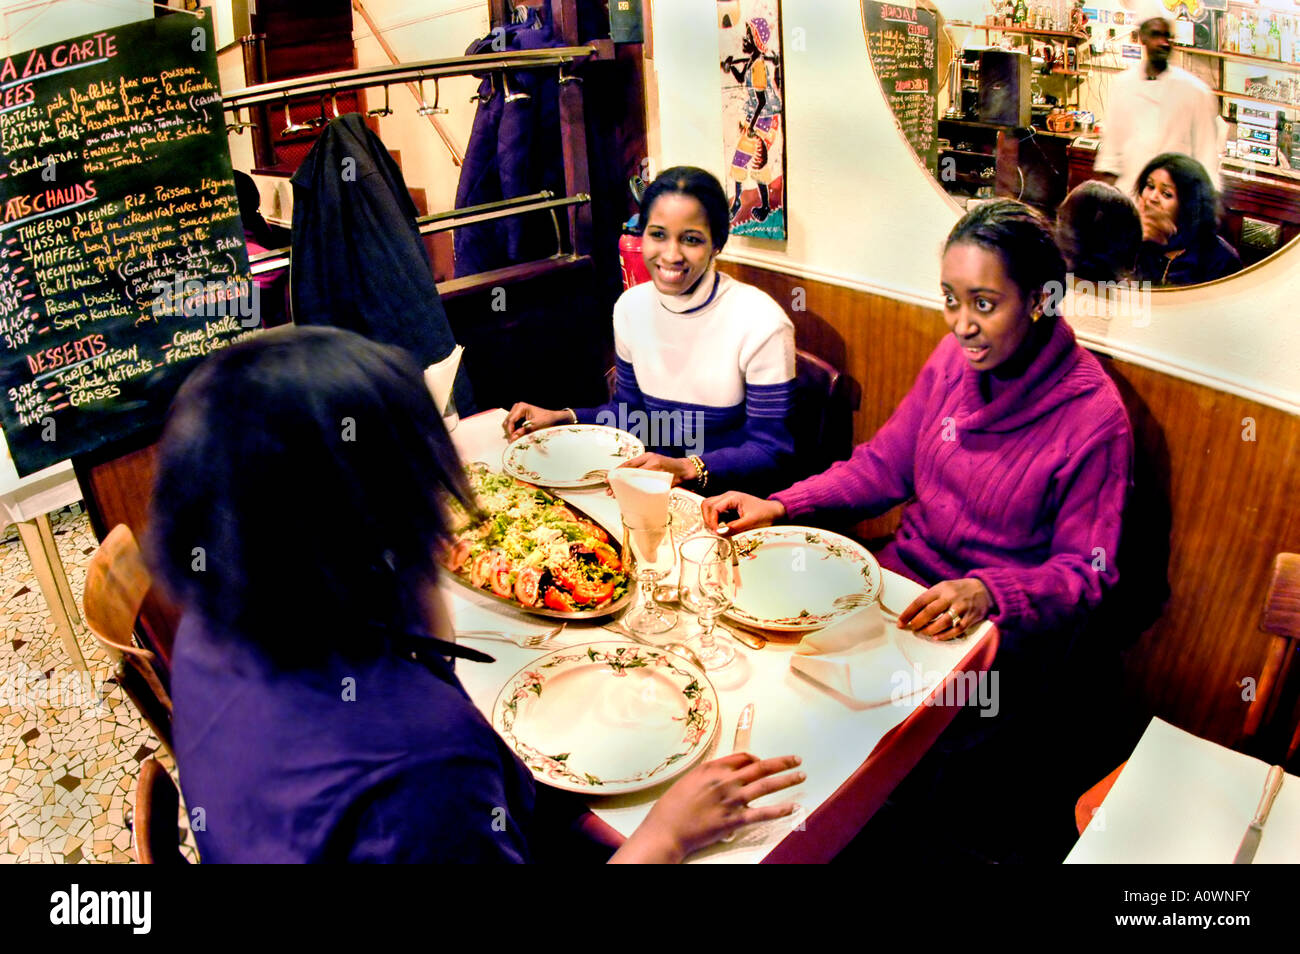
[[33, 543], [60, 574]]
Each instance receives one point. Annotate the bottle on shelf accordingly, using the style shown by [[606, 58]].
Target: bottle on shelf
[[1021, 13], [1274, 39]]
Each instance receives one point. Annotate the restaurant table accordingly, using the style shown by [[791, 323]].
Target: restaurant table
[[854, 754], [28, 502]]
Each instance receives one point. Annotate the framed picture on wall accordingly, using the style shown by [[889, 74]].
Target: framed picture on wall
[[753, 117]]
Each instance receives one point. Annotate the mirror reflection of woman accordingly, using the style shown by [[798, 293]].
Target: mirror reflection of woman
[[1179, 207]]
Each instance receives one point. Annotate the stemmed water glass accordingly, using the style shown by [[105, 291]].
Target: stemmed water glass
[[648, 550], [708, 586]]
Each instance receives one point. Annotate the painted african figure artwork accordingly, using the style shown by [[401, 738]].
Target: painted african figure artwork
[[753, 121]]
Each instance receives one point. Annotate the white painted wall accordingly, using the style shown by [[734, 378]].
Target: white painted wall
[[865, 214], [25, 25], [424, 30]]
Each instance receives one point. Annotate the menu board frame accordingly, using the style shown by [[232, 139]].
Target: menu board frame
[[895, 32], [122, 254]]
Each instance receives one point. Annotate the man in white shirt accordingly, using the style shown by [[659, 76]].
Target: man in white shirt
[[1156, 108]]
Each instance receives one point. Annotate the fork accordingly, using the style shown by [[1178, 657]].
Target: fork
[[861, 599], [598, 474], [523, 640]]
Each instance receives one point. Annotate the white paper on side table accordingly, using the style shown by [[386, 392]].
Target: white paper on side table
[[1184, 800]]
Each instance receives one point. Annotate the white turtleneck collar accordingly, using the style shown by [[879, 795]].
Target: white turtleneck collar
[[703, 294]]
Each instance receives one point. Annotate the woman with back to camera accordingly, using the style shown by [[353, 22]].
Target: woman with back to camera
[[1179, 207], [1012, 453], [1099, 232], [317, 716], [698, 345]]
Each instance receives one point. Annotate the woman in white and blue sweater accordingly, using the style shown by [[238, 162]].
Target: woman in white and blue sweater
[[704, 363]]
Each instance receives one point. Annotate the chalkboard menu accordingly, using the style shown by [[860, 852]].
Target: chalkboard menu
[[903, 43], [122, 256]]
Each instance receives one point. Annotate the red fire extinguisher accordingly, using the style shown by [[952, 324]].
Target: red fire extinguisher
[[629, 254]]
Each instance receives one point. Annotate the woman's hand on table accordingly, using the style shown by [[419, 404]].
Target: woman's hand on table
[[681, 468], [948, 609], [525, 418], [707, 804], [750, 512]]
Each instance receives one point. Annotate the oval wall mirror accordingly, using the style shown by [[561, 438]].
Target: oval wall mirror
[[1010, 98]]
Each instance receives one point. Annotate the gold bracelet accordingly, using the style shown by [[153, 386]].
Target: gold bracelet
[[573, 414], [701, 479]]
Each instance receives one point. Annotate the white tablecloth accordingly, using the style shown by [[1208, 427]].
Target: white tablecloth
[[794, 715]]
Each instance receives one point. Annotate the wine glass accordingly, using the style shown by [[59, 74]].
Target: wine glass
[[708, 587], [648, 550]]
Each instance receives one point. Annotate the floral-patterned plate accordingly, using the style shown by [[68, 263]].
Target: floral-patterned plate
[[607, 718], [797, 579], [569, 456], [685, 508]]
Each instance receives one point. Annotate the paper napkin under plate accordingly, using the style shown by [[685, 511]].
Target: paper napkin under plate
[[859, 657]]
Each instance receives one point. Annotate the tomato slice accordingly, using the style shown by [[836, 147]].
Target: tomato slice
[[557, 599], [607, 556], [566, 575], [594, 530], [565, 512], [484, 564], [527, 585], [593, 592], [457, 555], [500, 578]]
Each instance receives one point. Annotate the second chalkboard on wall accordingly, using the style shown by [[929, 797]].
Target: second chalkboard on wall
[[903, 43], [122, 255]]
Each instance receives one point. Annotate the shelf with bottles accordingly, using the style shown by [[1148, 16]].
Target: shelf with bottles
[[1074, 39], [1254, 33], [1279, 103], [1241, 58]]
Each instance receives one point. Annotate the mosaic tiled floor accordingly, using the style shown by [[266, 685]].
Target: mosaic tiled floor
[[70, 746]]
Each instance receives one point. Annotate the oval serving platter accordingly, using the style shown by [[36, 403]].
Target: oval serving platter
[[596, 612]]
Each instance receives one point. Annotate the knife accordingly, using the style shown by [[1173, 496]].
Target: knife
[[743, 636], [1250, 840], [744, 728]]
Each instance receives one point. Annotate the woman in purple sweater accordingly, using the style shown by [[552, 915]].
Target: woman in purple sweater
[[1012, 451]]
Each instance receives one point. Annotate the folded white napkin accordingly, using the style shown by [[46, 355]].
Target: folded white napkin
[[440, 377], [859, 657], [642, 495]]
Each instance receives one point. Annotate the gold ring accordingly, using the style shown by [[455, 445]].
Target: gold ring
[[956, 617], [527, 425]]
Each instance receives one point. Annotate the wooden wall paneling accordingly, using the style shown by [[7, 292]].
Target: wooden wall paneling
[[1232, 502]]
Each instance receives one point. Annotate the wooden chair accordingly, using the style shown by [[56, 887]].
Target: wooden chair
[[117, 582], [157, 832], [1272, 728]]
